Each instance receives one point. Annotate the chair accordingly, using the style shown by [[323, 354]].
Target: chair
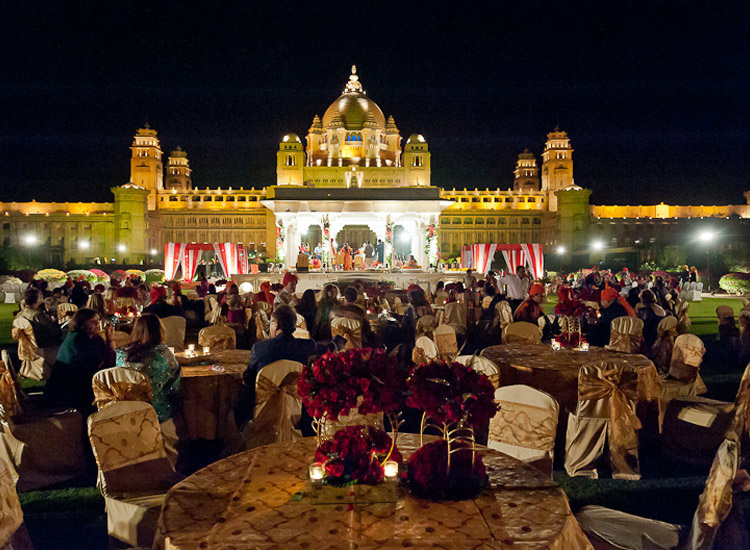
[[608, 528], [121, 338], [605, 414], [440, 298], [683, 320], [10, 298], [213, 311], [350, 329], [277, 406], [483, 365], [683, 377], [120, 384], [503, 315], [359, 262], [13, 533], [41, 448], [445, 340], [424, 351], [697, 295], [525, 426], [301, 323], [134, 472], [65, 309], [217, 337], [35, 361], [425, 325], [262, 325], [661, 351], [521, 332], [192, 295], [626, 335], [174, 331], [455, 316]]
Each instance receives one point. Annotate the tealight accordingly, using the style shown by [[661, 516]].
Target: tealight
[[390, 469], [584, 346], [316, 472], [206, 350], [191, 348], [556, 345]]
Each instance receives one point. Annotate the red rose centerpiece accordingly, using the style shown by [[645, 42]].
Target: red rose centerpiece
[[571, 310], [455, 398]]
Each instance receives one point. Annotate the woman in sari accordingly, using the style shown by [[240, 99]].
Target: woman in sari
[[347, 258]]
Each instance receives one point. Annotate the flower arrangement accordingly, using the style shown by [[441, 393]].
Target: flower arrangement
[[356, 455], [430, 475], [572, 307], [101, 276], [118, 275], [136, 274], [280, 237], [51, 275], [431, 248], [570, 339], [154, 275], [82, 274]]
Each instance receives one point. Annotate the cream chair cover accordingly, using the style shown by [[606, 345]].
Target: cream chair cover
[[211, 308], [683, 319], [626, 335], [277, 406], [35, 361], [724, 312], [445, 340], [63, 309], [455, 316], [425, 325], [174, 332], [424, 351], [301, 324], [192, 295], [350, 329], [605, 414], [483, 365], [262, 325], [134, 473], [522, 332], [440, 298], [629, 532], [503, 315], [13, 534], [525, 426], [661, 351], [218, 337], [301, 334], [684, 376], [121, 338], [120, 384]]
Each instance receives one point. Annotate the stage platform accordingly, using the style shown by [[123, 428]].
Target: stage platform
[[316, 280]]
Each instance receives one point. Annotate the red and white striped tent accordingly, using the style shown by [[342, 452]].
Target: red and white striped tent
[[479, 257], [232, 257]]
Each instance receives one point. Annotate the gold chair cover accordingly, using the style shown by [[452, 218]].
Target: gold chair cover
[[10, 404], [277, 405], [174, 331], [262, 323], [425, 325], [120, 384], [503, 315], [35, 362], [350, 329], [11, 516], [661, 351], [424, 351], [455, 315], [522, 332], [626, 335], [606, 413], [524, 425], [217, 337], [65, 308], [687, 357], [445, 340]]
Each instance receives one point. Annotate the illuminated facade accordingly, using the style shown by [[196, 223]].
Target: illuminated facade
[[341, 180]]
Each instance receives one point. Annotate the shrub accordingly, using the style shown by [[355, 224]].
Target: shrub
[[735, 283]]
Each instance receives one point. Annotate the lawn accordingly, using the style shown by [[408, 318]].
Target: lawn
[[6, 322]]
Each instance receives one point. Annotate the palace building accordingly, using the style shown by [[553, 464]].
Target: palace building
[[338, 184]]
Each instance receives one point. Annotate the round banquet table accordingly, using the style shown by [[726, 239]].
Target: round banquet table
[[246, 501], [210, 395], [556, 372]]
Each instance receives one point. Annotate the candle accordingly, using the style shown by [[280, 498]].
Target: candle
[[390, 469], [555, 345], [584, 346], [316, 472], [206, 350], [171, 349], [191, 348]]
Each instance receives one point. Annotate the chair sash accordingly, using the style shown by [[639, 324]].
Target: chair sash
[[261, 325], [218, 337], [9, 402], [425, 325], [626, 335], [120, 384], [687, 357], [350, 329], [275, 411], [23, 333]]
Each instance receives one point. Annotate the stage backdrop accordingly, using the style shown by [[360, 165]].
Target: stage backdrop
[[479, 257]]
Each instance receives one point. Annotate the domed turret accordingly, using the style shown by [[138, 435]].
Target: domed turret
[[354, 107]]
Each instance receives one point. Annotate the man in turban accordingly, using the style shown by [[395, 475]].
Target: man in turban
[[611, 309], [286, 297], [530, 309]]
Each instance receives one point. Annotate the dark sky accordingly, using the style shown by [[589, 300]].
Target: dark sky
[[653, 95]]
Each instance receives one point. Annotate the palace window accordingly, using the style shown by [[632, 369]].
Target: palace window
[[220, 199], [237, 220], [531, 199], [475, 199], [242, 199], [207, 199], [456, 221], [467, 221], [445, 221], [289, 160], [536, 221], [490, 221], [417, 161], [480, 221], [173, 199], [508, 199], [230, 199], [502, 221], [525, 221]]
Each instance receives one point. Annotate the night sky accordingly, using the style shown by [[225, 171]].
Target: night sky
[[653, 95]]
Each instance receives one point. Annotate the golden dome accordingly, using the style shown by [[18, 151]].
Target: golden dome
[[353, 108]]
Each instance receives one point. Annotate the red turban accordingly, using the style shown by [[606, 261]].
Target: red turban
[[536, 288], [157, 293], [609, 294], [289, 277]]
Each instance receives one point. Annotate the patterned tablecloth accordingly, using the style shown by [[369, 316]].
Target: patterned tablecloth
[[245, 502], [556, 372], [211, 395]]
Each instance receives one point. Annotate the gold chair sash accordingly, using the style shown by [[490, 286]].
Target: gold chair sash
[[218, 337], [524, 425], [352, 334], [121, 390], [425, 325], [8, 394], [27, 349], [626, 335], [273, 421]]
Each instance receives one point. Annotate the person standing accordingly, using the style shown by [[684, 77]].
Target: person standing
[[347, 257], [369, 253], [380, 251], [516, 287]]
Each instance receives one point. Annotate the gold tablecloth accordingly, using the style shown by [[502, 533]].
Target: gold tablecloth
[[245, 502], [211, 395], [556, 372]]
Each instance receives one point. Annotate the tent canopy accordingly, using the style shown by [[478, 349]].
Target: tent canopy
[[233, 258], [479, 257]]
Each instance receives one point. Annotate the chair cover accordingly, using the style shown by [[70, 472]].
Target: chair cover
[[13, 534], [218, 337], [696, 295], [174, 332], [605, 414], [301, 334], [211, 308], [445, 340], [629, 532], [525, 426], [522, 332], [424, 351], [121, 338], [120, 384], [661, 351], [483, 365], [277, 406], [134, 472], [503, 315], [10, 402], [684, 377], [425, 325], [455, 316], [262, 324], [262, 306], [301, 324], [626, 335], [192, 295], [35, 362], [64, 308], [724, 312], [440, 298], [350, 329]]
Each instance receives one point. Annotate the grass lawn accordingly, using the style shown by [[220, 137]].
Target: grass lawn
[[6, 322]]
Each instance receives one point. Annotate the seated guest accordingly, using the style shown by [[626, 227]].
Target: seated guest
[[46, 329], [650, 313], [610, 309], [159, 305], [281, 345], [83, 353], [418, 307], [303, 262], [530, 310], [308, 309], [147, 353], [328, 302], [492, 298], [411, 263], [97, 303], [265, 294], [286, 297], [441, 296], [351, 310]]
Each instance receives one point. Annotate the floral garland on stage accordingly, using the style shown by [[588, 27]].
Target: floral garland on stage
[[280, 235], [431, 248], [326, 253], [389, 229]]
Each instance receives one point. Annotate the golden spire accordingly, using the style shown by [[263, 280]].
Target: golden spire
[[354, 85]]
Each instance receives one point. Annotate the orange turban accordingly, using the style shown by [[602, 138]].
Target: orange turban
[[609, 294], [536, 288]]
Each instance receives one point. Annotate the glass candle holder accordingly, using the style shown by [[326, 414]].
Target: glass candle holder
[[191, 348], [317, 472], [390, 470], [556, 345], [584, 346], [206, 350], [171, 349]]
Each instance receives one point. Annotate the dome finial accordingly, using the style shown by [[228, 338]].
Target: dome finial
[[354, 85]]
